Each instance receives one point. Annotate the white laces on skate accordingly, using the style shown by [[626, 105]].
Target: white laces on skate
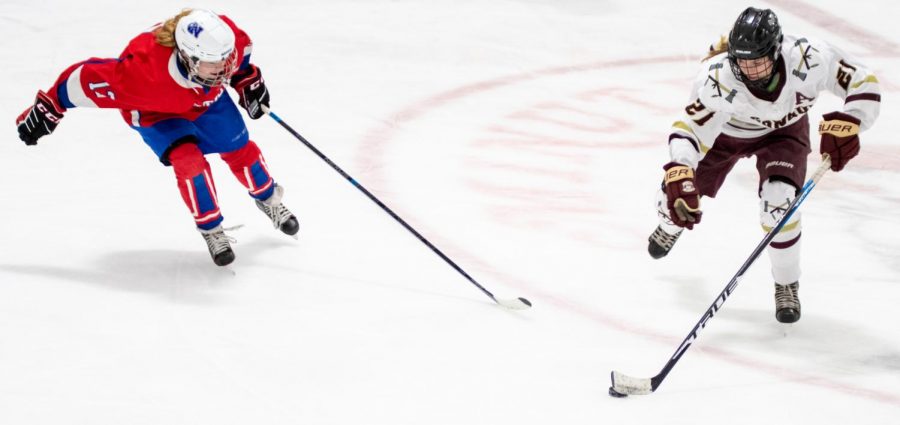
[[786, 296], [217, 240], [278, 213], [274, 209], [663, 239]]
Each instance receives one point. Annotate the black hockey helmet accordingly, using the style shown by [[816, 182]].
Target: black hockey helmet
[[755, 34]]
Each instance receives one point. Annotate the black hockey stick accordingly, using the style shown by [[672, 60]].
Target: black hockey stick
[[511, 303], [623, 385]]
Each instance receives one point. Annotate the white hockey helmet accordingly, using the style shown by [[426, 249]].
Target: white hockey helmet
[[205, 46]]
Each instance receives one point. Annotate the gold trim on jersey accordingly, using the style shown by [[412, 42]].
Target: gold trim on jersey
[[869, 79], [681, 125]]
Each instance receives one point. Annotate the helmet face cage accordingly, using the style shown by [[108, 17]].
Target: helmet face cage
[[758, 83], [756, 34], [192, 64]]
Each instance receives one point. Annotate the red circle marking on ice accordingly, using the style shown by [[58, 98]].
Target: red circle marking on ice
[[373, 147]]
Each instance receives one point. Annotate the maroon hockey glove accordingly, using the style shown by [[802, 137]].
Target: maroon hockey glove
[[840, 138], [38, 120], [682, 196], [251, 88]]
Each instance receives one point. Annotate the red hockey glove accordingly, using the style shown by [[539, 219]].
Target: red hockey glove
[[251, 88], [38, 120], [682, 196], [840, 138]]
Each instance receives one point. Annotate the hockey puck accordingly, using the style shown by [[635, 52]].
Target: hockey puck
[[616, 394]]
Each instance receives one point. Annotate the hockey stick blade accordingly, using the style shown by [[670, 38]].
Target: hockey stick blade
[[514, 303], [629, 385]]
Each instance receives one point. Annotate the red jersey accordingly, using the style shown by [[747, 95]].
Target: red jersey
[[146, 83]]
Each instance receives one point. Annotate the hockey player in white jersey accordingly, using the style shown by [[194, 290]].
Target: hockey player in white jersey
[[751, 99]]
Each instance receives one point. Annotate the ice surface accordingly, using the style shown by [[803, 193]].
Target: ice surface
[[523, 138]]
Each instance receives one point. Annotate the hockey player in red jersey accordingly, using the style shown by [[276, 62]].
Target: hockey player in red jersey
[[169, 86], [751, 99]]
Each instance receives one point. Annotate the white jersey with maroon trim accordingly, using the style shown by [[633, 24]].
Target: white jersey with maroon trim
[[723, 104]]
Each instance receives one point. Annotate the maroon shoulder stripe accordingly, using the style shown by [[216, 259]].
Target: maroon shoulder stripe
[[864, 96]]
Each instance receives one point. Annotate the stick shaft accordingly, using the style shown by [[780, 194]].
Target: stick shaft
[[378, 202], [732, 284]]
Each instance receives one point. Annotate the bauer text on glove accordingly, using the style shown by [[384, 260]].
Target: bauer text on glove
[[682, 196], [840, 138]]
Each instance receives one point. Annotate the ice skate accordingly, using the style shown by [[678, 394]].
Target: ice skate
[[787, 304], [219, 245], [281, 217], [661, 242]]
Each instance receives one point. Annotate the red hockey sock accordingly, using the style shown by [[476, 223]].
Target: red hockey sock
[[249, 166], [196, 185]]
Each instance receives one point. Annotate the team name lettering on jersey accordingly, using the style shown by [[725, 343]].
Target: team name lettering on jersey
[[775, 124]]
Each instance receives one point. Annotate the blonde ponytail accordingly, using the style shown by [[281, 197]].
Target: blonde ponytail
[[165, 33], [719, 47]]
